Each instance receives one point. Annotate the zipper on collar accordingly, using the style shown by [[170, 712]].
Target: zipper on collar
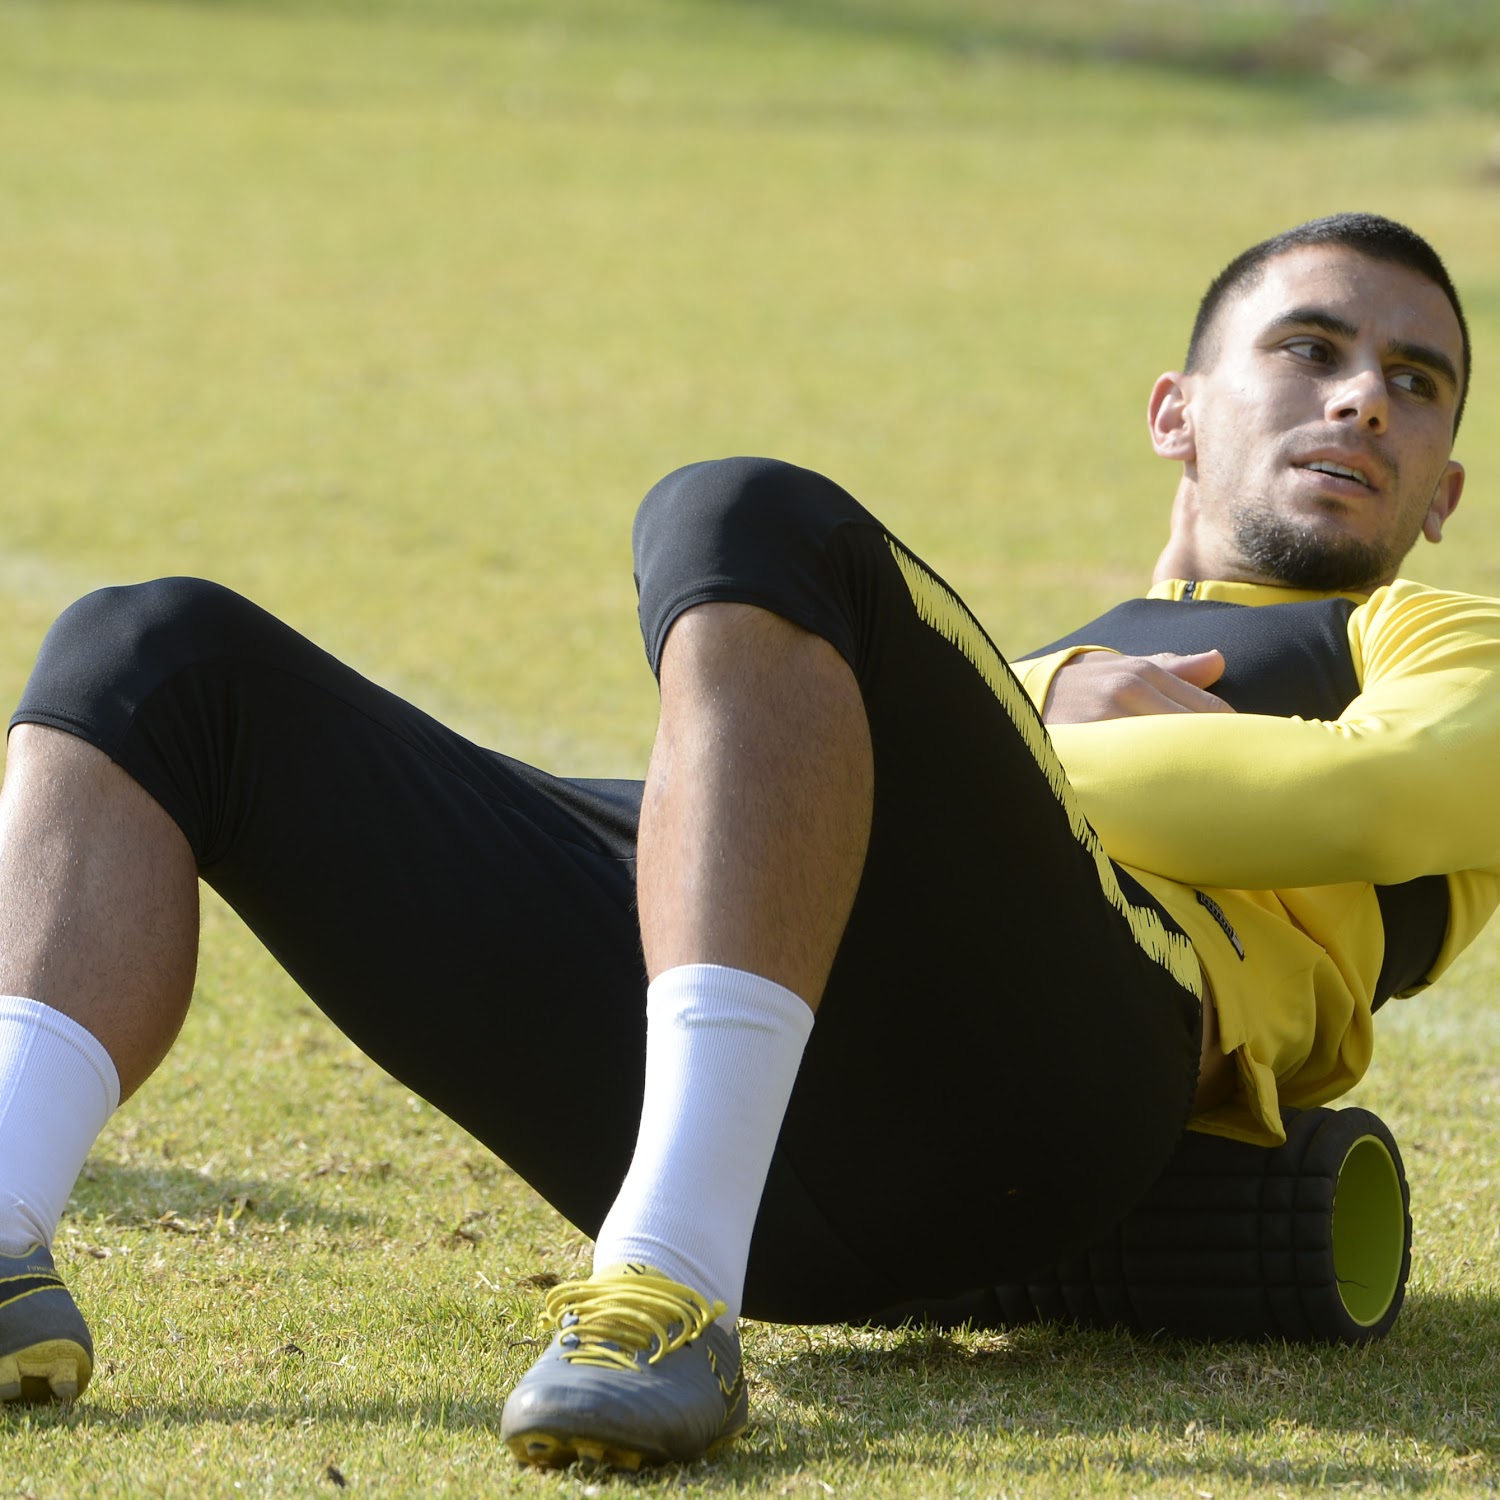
[[1190, 588]]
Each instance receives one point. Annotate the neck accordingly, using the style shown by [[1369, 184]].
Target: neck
[[1184, 556]]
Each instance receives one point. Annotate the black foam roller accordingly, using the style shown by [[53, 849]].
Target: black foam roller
[[1308, 1242]]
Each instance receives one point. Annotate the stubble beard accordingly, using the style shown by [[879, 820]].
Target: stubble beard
[[1302, 555]]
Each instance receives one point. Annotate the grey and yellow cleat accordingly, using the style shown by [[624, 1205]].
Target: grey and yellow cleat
[[46, 1353], [638, 1373]]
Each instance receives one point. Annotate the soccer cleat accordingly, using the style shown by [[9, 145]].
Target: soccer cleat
[[638, 1373], [46, 1353]]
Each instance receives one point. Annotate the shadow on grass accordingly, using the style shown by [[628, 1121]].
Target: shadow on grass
[[1356, 48], [456, 1413], [1411, 1412], [1276, 45], [1165, 1407], [187, 1200]]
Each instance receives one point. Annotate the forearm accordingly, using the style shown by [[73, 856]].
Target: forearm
[[1401, 784], [1036, 673], [1251, 802]]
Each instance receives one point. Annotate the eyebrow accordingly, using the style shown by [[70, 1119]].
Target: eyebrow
[[1418, 354]]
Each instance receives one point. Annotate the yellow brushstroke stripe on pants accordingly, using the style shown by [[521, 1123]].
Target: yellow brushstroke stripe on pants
[[941, 609]]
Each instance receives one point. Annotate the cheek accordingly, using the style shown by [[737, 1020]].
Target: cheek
[[1428, 465], [1229, 434], [1247, 408]]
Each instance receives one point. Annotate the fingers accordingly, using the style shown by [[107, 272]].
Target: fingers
[[1169, 684], [1103, 685], [1201, 668]]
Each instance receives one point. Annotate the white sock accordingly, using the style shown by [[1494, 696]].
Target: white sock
[[722, 1052], [58, 1086]]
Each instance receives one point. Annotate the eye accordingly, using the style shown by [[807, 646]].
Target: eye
[[1415, 383], [1315, 351]]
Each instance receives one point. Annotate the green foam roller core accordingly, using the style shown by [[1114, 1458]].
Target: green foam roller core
[[1369, 1230]]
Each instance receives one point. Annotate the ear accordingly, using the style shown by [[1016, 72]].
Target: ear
[[1444, 501], [1169, 416]]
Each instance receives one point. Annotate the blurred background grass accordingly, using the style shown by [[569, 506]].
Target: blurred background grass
[[386, 312]]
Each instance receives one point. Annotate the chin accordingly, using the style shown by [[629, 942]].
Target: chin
[[1312, 554]]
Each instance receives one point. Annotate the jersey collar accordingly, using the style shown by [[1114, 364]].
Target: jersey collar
[[1242, 593]]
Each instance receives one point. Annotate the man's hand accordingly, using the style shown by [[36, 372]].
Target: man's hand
[[1099, 685]]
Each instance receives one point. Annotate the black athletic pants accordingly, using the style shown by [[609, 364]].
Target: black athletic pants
[[1008, 1045]]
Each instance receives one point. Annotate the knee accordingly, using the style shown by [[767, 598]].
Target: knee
[[728, 502], [116, 644], [167, 618], [734, 528]]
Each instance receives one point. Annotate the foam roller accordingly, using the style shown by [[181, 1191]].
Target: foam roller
[[1308, 1242]]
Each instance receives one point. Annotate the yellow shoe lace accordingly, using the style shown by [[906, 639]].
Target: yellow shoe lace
[[624, 1311]]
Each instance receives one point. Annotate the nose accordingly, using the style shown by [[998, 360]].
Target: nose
[[1361, 397]]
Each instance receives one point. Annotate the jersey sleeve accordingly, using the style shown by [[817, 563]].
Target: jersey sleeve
[[1035, 674], [1403, 783]]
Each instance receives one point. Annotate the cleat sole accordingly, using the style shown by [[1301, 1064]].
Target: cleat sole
[[602, 1456], [57, 1370], [546, 1450], [542, 1449]]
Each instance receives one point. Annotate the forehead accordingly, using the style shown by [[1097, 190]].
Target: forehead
[[1391, 302]]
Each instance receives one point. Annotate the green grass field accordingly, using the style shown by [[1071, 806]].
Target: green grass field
[[387, 313]]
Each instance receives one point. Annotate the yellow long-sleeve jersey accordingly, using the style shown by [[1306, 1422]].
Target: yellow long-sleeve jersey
[[1267, 837]]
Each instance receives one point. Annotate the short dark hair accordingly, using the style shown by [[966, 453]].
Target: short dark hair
[[1369, 234]]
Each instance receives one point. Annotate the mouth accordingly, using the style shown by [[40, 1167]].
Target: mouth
[[1340, 471]]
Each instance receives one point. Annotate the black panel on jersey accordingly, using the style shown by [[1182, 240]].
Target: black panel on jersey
[[1290, 660], [1283, 659]]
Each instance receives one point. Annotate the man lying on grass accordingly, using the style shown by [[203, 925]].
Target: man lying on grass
[[1033, 959]]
